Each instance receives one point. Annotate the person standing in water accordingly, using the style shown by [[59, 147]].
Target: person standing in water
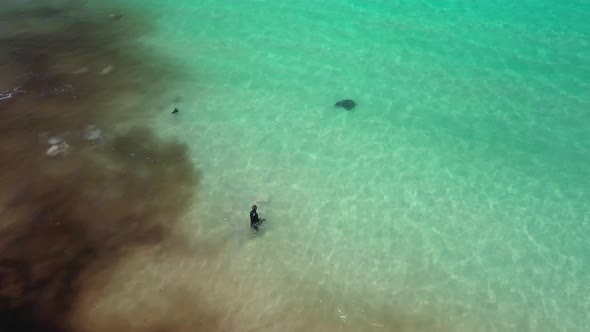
[[254, 219]]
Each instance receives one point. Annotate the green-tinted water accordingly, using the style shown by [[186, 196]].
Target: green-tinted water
[[457, 191]]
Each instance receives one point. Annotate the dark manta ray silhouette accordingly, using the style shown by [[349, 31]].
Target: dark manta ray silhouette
[[347, 104]]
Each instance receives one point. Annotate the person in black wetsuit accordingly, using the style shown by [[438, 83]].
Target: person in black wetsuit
[[254, 220]]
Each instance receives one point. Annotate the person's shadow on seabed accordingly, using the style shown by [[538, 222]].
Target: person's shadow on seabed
[[255, 221]]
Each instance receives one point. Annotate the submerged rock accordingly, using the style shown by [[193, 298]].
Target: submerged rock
[[107, 70], [57, 149], [91, 133], [9, 94], [54, 140], [82, 70]]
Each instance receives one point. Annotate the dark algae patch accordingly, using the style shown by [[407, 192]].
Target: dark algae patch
[[77, 209]]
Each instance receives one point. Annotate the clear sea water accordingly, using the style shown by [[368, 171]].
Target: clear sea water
[[455, 197]]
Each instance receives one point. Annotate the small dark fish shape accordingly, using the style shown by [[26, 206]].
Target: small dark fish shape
[[347, 104], [176, 110]]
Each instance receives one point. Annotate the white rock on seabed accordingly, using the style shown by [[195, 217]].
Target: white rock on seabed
[[91, 133], [54, 140], [57, 149], [7, 95], [107, 70], [82, 70]]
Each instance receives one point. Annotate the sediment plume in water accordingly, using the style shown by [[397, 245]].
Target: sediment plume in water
[[76, 194]]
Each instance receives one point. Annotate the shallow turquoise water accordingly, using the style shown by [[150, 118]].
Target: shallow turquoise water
[[458, 188]]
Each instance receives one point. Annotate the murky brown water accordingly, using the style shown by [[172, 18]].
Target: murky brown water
[[77, 195]]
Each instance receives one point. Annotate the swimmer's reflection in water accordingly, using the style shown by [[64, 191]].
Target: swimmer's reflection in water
[[255, 221]]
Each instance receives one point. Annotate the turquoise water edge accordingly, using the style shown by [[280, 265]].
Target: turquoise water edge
[[458, 187]]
